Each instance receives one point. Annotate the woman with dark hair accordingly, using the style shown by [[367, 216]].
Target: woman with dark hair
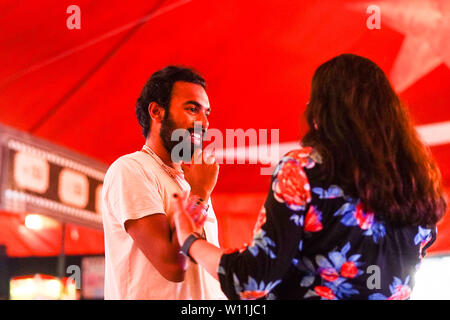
[[347, 216]]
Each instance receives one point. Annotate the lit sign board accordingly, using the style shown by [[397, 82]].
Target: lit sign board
[[40, 177]]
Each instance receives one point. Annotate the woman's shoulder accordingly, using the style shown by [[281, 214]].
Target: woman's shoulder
[[306, 156]]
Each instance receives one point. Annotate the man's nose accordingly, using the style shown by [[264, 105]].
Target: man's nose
[[204, 120]]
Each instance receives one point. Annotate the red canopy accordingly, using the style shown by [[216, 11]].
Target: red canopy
[[78, 88]]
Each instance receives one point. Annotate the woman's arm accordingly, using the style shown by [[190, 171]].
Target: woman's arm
[[207, 255]]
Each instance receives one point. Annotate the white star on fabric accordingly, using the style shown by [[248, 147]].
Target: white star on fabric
[[426, 26]]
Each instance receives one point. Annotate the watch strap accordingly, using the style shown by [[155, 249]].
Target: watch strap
[[188, 243]]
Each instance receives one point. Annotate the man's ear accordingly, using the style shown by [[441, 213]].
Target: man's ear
[[156, 112]]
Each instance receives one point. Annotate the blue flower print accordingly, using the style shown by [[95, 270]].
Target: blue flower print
[[262, 242], [252, 289]]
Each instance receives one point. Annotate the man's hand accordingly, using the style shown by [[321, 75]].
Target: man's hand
[[201, 174]]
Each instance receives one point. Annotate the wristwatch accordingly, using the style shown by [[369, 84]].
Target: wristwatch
[[188, 243]]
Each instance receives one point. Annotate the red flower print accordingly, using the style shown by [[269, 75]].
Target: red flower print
[[349, 270], [324, 292], [301, 155], [312, 220], [365, 220], [252, 295], [329, 274], [422, 245], [260, 221], [402, 292], [292, 185]]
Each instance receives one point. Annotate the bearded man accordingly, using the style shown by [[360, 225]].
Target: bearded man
[[142, 254]]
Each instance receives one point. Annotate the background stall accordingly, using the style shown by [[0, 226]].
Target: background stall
[[50, 218]]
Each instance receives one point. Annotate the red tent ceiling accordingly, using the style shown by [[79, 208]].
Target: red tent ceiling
[[78, 88]]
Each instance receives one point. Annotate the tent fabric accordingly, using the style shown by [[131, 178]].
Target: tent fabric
[[78, 88], [21, 241]]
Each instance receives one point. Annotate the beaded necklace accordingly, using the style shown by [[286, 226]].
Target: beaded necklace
[[165, 167]]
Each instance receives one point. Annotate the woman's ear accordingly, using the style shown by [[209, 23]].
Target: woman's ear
[[156, 112]]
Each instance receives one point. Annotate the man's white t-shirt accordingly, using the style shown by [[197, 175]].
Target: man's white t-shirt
[[136, 186]]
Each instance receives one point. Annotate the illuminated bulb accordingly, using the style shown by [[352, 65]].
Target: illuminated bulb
[[34, 222], [23, 289], [52, 288], [39, 222]]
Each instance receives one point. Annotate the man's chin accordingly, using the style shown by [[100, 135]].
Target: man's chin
[[181, 156]]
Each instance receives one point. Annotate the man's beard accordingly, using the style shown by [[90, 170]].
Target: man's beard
[[167, 128]]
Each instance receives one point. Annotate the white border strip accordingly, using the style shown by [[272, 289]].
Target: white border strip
[[435, 134], [86, 215], [432, 134], [56, 159]]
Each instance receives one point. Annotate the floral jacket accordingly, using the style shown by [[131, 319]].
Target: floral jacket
[[311, 241]]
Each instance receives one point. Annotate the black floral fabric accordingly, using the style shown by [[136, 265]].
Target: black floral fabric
[[312, 241]]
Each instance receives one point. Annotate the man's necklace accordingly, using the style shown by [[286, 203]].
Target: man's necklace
[[165, 167]]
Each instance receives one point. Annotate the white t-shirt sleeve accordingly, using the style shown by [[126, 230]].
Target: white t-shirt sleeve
[[131, 192]]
